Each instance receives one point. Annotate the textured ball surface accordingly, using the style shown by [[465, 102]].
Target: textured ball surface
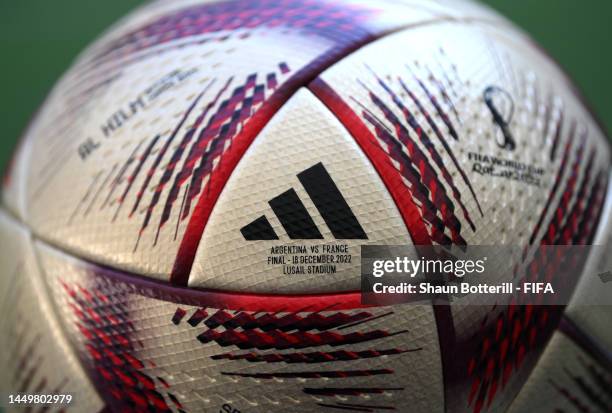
[[155, 203]]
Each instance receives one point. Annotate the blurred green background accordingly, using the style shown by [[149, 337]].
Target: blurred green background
[[39, 39]]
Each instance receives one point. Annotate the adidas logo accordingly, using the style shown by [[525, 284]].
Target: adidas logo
[[296, 220]]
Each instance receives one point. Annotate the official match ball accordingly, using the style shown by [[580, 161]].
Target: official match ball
[[183, 220]]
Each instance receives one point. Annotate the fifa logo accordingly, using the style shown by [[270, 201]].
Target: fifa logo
[[501, 106]]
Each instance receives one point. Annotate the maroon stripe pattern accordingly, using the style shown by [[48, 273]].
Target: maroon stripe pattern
[[260, 331], [352, 407], [279, 340], [111, 354], [520, 330], [329, 374], [287, 322], [236, 19], [349, 391], [314, 357], [143, 158], [373, 148], [403, 142]]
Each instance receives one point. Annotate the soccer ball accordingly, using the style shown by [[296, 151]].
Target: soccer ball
[[182, 222]]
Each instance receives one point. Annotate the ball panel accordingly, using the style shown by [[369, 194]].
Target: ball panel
[[302, 138], [566, 376], [35, 356], [198, 357], [460, 121], [125, 210], [596, 285], [441, 91], [156, 106], [13, 178]]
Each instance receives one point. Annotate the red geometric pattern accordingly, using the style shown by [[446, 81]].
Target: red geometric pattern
[[441, 138], [344, 26], [314, 357], [236, 19], [116, 371], [390, 176], [287, 322], [553, 191], [247, 330], [205, 156], [349, 391], [330, 374], [281, 341], [353, 407], [283, 331], [197, 154], [426, 208], [437, 209], [522, 329]]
